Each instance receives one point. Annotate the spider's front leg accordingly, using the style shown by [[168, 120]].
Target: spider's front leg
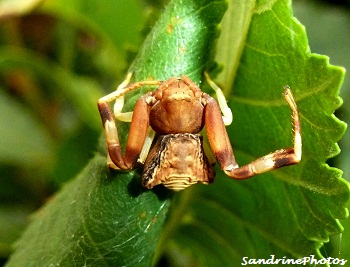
[[138, 127], [220, 144], [136, 138]]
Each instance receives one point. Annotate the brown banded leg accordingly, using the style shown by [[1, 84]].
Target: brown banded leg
[[222, 148], [279, 158], [138, 128]]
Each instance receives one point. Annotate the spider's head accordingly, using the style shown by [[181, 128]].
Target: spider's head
[[176, 90]]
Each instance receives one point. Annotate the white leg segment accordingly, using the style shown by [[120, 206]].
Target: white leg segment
[[226, 111]]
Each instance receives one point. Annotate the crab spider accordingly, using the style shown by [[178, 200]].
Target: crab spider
[[176, 112]]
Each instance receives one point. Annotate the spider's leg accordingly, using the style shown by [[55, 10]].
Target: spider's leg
[[138, 128], [124, 116], [110, 163], [226, 111], [123, 89], [147, 145], [279, 158], [119, 101], [223, 150]]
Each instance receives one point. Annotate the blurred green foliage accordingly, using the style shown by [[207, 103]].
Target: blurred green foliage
[[57, 58]]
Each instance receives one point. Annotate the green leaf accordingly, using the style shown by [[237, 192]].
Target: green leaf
[[104, 217], [287, 212], [96, 220]]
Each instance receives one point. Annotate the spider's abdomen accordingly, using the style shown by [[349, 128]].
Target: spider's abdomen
[[177, 161]]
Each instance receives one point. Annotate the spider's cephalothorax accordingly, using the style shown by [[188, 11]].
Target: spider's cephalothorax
[[177, 111]]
